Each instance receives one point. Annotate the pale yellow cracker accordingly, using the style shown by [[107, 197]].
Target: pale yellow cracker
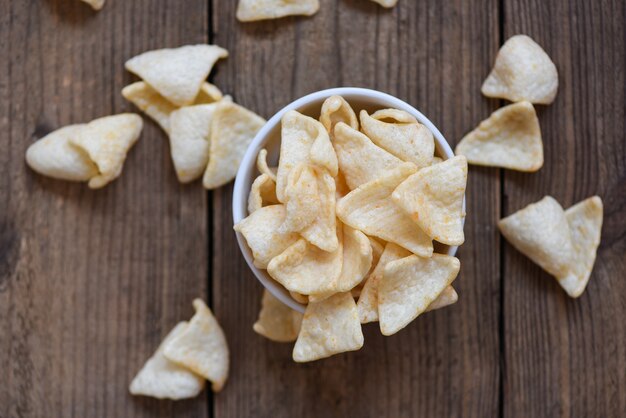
[[262, 193], [585, 225], [433, 198], [277, 321], [542, 233], [55, 156], [370, 208], [410, 285], [263, 167], [356, 262], [329, 327], [106, 141], [163, 379], [189, 140], [201, 347], [400, 134], [305, 269], [302, 200], [335, 109], [233, 127], [522, 71], [446, 298], [360, 160], [386, 3], [299, 297], [177, 73], [149, 101], [322, 232], [260, 229], [95, 4], [368, 300], [509, 138], [253, 10], [303, 140]]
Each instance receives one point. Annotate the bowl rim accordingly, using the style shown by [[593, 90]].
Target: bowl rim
[[248, 165]]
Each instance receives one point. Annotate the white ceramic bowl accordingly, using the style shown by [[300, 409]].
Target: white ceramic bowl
[[269, 138]]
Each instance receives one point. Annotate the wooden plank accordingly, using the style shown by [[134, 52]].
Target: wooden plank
[[90, 281], [566, 357], [434, 55]]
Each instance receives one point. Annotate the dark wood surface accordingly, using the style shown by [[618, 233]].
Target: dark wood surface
[[567, 357], [90, 281]]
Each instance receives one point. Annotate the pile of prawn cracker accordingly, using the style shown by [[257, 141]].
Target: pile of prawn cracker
[[346, 224], [563, 242], [208, 133], [254, 10], [192, 353]]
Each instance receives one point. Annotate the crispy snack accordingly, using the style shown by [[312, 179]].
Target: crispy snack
[[409, 286], [329, 327], [201, 347], [163, 379], [360, 160], [233, 127], [370, 208], [106, 141], [368, 300], [149, 101], [95, 4], [446, 298], [263, 167], [356, 263], [300, 298], [310, 204], [55, 156], [190, 127], [399, 133], [585, 225], [433, 198], [253, 10], [322, 232], [302, 199], [335, 109], [386, 3], [368, 296], [277, 321], [509, 138], [522, 71], [177, 73], [541, 232], [377, 250], [262, 193], [305, 269], [260, 229], [303, 140]]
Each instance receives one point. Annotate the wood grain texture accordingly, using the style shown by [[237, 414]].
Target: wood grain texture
[[434, 56], [567, 357], [90, 281]]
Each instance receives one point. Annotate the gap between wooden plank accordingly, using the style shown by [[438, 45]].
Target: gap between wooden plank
[[209, 227], [501, 335]]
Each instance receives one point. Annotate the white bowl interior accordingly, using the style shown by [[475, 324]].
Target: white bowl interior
[[269, 138]]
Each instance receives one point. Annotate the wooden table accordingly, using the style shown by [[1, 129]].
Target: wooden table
[[90, 281]]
